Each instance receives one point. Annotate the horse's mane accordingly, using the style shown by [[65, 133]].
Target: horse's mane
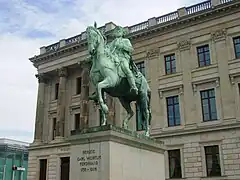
[[107, 50]]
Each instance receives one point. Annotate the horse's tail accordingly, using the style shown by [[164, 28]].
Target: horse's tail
[[149, 105]]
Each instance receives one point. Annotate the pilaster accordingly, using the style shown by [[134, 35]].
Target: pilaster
[[184, 47], [219, 39], [152, 56], [40, 109], [62, 73], [84, 109]]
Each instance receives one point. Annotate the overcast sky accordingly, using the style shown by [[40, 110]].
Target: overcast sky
[[26, 25]]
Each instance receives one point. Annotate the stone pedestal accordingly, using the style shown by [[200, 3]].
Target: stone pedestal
[[112, 153]]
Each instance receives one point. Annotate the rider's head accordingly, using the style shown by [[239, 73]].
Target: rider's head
[[119, 31]]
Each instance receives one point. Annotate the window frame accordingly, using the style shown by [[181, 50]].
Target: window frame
[[78, 85], [209, 106], [75, 121], [167, 98], [169, 161], [141, 67], [171, 62], [234, 44], [54, 127], [56, 91], [206, 160], [204, 54]]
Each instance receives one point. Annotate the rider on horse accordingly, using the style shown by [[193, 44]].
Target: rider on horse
[[122, 48]]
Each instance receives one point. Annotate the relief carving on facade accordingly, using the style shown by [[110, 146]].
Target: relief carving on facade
[[62, 72], [153, 53], [184, 45], [219, 35]]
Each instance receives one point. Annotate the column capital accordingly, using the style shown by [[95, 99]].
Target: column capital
[[62, 72], [41, 78]]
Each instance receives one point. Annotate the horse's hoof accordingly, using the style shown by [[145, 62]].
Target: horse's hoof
[[104, 123], [147, 133], [124, 126]]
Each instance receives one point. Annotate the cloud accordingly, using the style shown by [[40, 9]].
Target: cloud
[[26, 25]]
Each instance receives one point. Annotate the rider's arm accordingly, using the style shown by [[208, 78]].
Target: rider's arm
[[127, 46]]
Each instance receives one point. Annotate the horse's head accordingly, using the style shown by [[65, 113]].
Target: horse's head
[[94, 38]]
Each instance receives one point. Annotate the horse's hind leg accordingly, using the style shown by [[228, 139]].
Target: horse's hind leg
[[126, 105], [144, 103]]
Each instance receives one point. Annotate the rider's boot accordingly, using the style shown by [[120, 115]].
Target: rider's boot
[[132, 83]]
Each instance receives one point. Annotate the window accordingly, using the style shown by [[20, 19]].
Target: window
[[56, 90], [239, 88], [43, 169], [236, 42], [203, 55], [77, 121], [140, 124], [208, 105], [174, 158], [78, 85], [141, 67], [65, 164], [54, 128], [173, 112], [170, 64], [212, 160]]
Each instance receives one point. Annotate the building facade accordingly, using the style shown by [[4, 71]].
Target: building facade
[[13, 159], [191, 59]]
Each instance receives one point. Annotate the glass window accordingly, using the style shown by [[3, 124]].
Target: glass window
[[77, 121], [212, 161], [141, 67], [173, 111], [170, 64], [174, 158], [203, 55], [54, 128], [78, 85], [56, 90], [209, 109], [236, 42]]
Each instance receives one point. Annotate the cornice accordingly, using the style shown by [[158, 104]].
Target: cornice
[[179, 23], [203, 81], [203, 129], [233, 76], [178, 87]]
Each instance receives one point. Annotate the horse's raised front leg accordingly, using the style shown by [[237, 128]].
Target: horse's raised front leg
[[103, 84], [126, 105]]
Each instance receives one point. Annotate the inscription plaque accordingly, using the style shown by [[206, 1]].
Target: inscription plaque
[[89, 160]]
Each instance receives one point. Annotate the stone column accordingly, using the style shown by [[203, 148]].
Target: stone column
[[84, 97], [62, 73], [40, 109]]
